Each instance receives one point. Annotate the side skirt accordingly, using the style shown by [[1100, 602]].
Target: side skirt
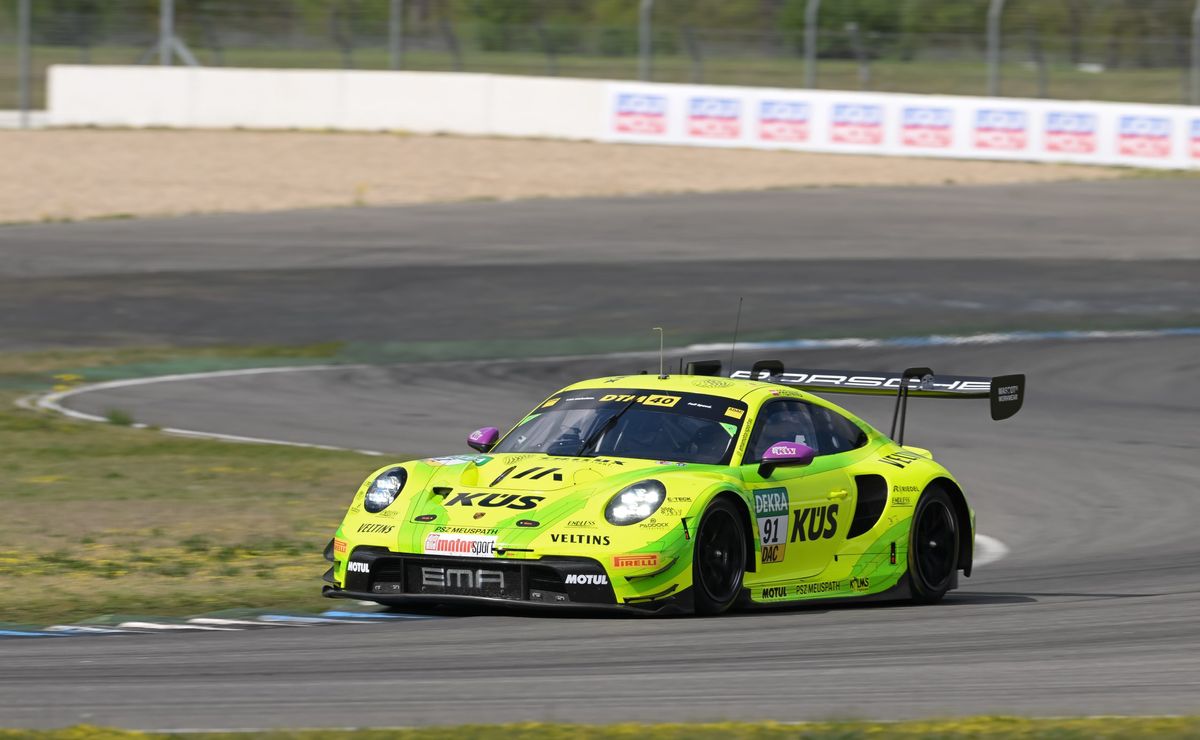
[[899, 592]]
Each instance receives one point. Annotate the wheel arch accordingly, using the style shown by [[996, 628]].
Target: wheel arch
[[962, 513], [746, 519]]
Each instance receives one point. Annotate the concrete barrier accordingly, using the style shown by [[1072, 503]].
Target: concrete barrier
[[686, 115]]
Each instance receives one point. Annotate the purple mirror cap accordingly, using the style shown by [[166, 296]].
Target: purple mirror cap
[[485, 436], [789, 452]]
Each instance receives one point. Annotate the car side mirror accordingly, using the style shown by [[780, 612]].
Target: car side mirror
[[483, 439], [785, 454]]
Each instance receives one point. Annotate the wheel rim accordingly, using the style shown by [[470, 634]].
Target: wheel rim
[[935, 545], [720, 556]]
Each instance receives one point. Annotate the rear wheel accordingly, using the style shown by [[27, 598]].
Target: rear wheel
[[719, 558], [933, 547]]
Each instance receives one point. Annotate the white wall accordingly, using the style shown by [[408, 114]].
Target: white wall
[[686, 115]]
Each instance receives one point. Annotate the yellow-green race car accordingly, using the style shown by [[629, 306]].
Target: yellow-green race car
[[688, 493]]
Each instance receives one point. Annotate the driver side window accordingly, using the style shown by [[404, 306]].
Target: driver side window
[[781, 421]]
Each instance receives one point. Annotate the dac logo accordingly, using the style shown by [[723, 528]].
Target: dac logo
[[1071, 133], [638, 113], [1001, 130], [1144, 136], [857, 123], [783, 120], [927, 128], [1196, 138], [714, 118]]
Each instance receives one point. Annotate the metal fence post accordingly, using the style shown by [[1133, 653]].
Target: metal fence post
[[396, 34], [812, 12], [1196, 54], [24, 69], [166, 31], [995, 12], [645, 40]]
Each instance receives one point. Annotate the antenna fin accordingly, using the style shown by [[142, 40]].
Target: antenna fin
[[661, 372], [733, 345]]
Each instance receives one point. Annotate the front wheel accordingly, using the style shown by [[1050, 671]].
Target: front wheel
[[719, 558], [933, 547]]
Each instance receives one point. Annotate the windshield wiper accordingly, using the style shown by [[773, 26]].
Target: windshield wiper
[[595, 436]]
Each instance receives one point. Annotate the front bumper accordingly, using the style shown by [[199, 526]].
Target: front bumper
[[404, 579]]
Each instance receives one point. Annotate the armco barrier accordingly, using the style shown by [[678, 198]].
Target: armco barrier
[[688, 115]]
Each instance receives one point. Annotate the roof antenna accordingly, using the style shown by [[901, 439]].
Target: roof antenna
[[736, 325], [661, 372]]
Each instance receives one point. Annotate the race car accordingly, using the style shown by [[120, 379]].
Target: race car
[[674, 493]]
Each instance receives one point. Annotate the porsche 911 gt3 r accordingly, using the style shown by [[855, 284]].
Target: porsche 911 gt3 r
[[686, 493]]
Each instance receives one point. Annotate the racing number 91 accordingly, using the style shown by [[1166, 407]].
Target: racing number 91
[[770, 530]]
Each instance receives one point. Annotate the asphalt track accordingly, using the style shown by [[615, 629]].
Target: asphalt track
[[1093, 487]]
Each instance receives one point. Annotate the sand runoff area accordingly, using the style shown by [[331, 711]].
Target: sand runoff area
[[78, 174]]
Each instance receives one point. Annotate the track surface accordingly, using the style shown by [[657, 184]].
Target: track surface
[[811, 261], [1093, 486]]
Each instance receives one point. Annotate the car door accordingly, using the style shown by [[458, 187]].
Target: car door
[[802, 513]]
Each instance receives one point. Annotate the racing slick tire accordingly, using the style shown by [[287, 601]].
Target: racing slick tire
[[718, 558], [933, 547]]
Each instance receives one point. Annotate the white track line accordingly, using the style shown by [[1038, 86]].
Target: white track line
[[171, 627], [53, 402]]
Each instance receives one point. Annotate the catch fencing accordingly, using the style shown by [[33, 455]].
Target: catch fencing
[[1153, 136], [1132, 50]]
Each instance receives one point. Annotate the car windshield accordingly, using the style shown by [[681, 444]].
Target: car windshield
[[675, 427]]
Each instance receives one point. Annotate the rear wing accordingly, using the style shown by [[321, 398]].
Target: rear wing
[[1005, 393]]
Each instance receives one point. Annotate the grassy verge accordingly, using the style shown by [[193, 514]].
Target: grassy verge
[[100, 518], [992, 728]]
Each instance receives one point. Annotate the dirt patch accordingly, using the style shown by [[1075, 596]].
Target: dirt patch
[[74, 174]]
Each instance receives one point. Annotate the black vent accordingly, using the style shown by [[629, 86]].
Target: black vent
[[872, 498]]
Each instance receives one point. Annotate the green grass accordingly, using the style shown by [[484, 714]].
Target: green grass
[[934, 76], [976, 728], [102, 518]]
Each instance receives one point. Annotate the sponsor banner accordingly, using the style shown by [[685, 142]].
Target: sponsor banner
[[857, 123], [640, 113], [460, 545], [927, 127], [1001, 129], [714, 118], [1071, 132], [894, 124], [784, 121], [1144, 136]]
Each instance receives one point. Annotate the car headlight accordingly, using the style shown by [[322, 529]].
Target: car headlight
[[384, 489], [634, 503]]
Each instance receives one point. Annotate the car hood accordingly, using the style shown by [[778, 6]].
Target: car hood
[[525, 490]]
